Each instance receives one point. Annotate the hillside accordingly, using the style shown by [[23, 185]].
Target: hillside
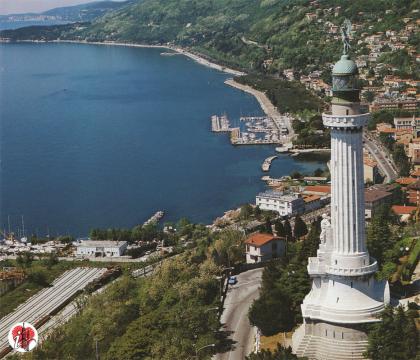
[[82, 12], [260, 35]]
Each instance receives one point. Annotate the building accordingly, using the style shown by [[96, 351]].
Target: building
[[345, 294], [374, 200], [404, 212], [408, 105], [370, 170], [312, 202], [263, 247], [322, 190], [100, 248], [413, 193], [286, 204], [10, 278]]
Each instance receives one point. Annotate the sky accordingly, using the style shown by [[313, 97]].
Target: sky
[[24, 6]]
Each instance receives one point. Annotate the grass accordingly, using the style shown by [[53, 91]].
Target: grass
[[270, 342]]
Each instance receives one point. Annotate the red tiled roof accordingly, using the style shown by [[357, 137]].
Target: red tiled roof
[[406, 181], [318, 188], [403, 210], [259, 239]]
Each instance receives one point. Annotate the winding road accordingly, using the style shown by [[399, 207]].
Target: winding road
[[235, 315]]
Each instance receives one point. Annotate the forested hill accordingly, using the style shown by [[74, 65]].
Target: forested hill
[[268, 35]]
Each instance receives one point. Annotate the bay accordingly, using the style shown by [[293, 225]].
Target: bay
[[104, 136]]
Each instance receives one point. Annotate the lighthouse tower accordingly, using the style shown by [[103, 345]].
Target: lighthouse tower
[[344, 294]]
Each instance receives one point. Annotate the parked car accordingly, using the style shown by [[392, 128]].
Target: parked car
[[232, 280]]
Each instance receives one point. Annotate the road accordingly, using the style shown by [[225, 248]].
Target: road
[[235, 315], [49, 299], [380, 155]]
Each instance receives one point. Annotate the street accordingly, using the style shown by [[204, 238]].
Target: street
[[235, 315], [381, 157]]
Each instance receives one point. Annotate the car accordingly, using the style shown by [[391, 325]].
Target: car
[[232, 280]]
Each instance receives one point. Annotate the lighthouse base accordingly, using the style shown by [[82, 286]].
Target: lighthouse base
[[318, 340]]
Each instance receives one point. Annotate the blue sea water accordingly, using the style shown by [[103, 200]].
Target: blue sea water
[[104, 136], [10, 25]]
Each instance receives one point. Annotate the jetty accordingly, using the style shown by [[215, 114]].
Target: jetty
[[267, 163], [220, 123], [155, 218]]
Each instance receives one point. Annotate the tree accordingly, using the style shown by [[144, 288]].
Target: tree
[[279, 227], [311, 242], [394, 337], [280, 353], [300, 229], [379, 236], [401, 160], [288, 230], [246, 212]]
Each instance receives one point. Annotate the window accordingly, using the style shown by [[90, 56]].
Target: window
[[351, 284]]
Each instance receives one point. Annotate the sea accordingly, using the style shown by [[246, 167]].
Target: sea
[[98, 136]]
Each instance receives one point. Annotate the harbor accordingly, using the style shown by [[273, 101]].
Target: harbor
[[252, 130]]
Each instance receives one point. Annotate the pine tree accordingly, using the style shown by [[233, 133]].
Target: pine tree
[[300, 228], [279, 227], [288, 230]]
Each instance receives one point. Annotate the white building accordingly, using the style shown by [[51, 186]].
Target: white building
[[345, 294], [286, 204], [263, 247], [100, 248]]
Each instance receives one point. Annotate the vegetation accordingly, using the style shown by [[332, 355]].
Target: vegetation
[[287, 96], [395, 337], [284, 285], [279, 354]]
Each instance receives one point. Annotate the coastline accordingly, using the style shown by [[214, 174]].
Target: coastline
[[267, 106]]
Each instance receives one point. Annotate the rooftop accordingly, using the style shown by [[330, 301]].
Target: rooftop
[[260, 239], [403, 210], [375, 195], [405, 180], [101, 243], [318, 189], [272, 194]]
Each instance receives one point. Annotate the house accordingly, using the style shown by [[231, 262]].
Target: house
[[312, 202], [286, 204], [98, 248], [371, 172], [322, 190], [261, 247], [404, 212], [374, 199], [413, 193]]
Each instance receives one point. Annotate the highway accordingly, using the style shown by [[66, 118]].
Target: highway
[[380, 155], [49, 299], [235, 315]]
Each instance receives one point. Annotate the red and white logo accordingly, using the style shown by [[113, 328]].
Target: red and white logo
[[23, 337]]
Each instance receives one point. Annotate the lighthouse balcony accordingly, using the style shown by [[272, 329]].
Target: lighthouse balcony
[[358, 271], [316, 266], [345, 121]]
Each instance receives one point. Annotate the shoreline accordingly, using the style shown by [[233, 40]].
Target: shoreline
[[266, 105]]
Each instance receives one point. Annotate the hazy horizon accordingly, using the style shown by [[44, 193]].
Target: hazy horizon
[[35, 6]]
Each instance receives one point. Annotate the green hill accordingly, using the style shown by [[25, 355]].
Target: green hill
[[261, 35]]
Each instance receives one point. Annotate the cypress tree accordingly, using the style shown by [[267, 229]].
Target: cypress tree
[[300, 228]]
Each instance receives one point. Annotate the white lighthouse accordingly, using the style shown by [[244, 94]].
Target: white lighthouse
[[344, 294]]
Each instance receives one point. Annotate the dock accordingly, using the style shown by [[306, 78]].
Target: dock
[[155, 218], [220, 124], [267, 163]]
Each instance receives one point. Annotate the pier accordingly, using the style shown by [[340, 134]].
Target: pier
[[220, 123], [267, 163], [155, 218]]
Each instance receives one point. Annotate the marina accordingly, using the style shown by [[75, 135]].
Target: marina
[[220, 123]]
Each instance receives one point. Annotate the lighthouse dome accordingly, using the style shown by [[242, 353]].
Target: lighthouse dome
[[345, 66]]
